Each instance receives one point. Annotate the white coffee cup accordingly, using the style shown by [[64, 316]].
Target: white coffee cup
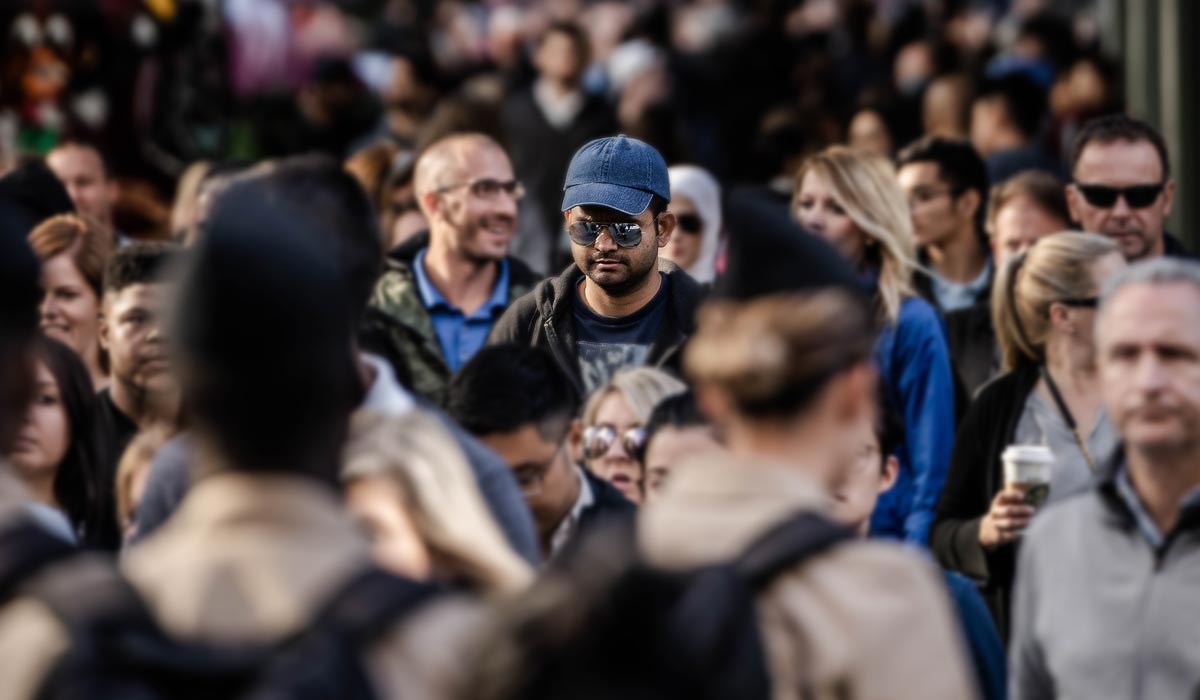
[[1027, 469]]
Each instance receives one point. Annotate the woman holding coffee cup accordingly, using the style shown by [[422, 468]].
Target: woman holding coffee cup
[[1038, 433]]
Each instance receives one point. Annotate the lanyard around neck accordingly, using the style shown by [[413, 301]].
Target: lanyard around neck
[[1067, 417]]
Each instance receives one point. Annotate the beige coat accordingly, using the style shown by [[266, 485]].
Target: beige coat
[[250, 559], [867, 621]]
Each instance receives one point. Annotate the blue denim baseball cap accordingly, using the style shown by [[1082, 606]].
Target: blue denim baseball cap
[[616, 172]]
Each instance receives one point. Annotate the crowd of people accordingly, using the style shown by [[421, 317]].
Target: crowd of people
[[561, 378]]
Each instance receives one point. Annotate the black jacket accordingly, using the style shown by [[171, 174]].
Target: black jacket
[[545, 318], [975, 477], [973, 348], [608, 503], [1174, 248]]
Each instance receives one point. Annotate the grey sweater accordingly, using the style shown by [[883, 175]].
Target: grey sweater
[[1099, 611]]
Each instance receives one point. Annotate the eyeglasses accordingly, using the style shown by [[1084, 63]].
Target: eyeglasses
[[598, 439], [1137, 196], [689, 223], [1081, 302], [585, 233], [926, 195], [489, 188], [532, 478]]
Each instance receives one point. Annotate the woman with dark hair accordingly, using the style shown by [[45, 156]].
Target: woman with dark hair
[[55, 454]]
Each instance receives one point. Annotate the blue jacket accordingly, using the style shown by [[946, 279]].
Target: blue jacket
[[979, 632], [914, 366]]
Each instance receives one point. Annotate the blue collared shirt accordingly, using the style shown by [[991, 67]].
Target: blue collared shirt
[[1141, 515], [460, 336]]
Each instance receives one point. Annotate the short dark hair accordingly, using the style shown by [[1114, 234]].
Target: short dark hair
[[1119, 127], [334, 202], [657, 205], [505, 387], [139, 263], [959, 165], [676, 411], [1023, 100]]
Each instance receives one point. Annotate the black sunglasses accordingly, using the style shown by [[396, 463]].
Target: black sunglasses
[[585, 233], [1137, 196], [597, 439], [689, 223]]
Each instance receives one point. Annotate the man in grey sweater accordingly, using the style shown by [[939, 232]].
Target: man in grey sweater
[[1106, 596]]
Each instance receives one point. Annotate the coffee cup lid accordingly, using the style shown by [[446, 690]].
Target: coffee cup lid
[[1028, 453]]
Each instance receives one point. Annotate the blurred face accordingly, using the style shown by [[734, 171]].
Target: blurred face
[[543, 470], [938, 215], [556, 59], [376, 503], [1148, 347], [684, 247], [987, 118], [866, 475], [1019, 224], [70, 311], [868, 132], [817, 211], [132, 334], [616, 465], [476, 213], [82, 173], [671, 446], [45, 433], [615, 269], [1138, 230]]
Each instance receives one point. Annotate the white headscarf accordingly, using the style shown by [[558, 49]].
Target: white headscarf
[[698, 185]]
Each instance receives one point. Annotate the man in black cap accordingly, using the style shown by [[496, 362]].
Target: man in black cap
[[620, 304]]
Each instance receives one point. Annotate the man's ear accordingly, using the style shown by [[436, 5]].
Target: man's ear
[[103, 329], [666, 227], [430, 204], [1075, 203], [1168, 197], [968, 203], [891, 472]]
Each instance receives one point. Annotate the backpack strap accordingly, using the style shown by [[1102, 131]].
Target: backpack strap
[[787, 544], [25, 549]]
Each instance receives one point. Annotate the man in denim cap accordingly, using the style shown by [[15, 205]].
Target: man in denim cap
[[620, 305]]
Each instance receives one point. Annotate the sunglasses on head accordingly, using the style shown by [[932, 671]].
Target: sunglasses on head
[[1137, 196], [625, 234], [689, 223], [598, 439]]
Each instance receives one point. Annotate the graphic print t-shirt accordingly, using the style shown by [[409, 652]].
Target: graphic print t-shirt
[[606, 344]]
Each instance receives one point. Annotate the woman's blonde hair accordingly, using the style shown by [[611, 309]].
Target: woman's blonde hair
[[772, 356], [1055, 268], [439, 493], [865, 186], [642, 388]]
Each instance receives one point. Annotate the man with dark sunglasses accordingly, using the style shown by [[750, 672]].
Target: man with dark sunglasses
[[446, 288], [1122, 187], [620, 305]]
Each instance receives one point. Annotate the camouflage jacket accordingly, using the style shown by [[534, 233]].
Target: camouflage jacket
[[410, 330]]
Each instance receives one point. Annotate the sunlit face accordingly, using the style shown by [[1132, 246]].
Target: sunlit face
[[376, 503], [1018, 225], [132, 334], [45, 433], [1148, 354], [479, 224], [671, 446], [868, 132], [616, 465], [1139, 232], [819, 212], [611, 267], [82, 173], [684, 247], [70, 309]]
